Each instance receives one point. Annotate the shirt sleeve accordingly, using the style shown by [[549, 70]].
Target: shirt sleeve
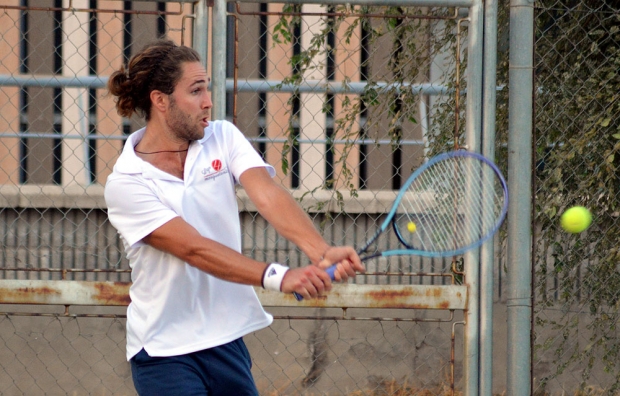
[[242, 155], [134, 209]]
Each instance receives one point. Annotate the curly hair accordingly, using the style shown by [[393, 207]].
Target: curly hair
[[156, 67]]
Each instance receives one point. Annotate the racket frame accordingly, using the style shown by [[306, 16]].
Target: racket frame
[[391, 216]]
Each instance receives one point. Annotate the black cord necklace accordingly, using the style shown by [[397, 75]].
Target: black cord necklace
[[162, 151]]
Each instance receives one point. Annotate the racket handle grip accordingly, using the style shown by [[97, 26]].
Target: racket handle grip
[[330, 271]]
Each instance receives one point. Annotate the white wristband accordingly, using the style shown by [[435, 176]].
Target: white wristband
[[272, 278]]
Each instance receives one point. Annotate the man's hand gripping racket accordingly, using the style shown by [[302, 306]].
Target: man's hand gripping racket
[[453, 203]]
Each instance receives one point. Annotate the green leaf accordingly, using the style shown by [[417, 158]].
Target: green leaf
[[605, 122], [616, 135]]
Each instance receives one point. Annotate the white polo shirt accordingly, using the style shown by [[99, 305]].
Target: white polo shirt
[[175, 308]]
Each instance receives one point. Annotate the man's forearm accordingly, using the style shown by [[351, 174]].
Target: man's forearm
[[290, 220]]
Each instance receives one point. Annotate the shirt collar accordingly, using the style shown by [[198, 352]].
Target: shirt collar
[[129, 163]]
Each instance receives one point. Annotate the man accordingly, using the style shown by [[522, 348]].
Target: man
[[172, 198]]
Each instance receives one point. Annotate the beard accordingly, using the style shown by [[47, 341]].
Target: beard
[[183, 125]]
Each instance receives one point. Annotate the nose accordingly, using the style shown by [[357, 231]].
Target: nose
[[207, 103]]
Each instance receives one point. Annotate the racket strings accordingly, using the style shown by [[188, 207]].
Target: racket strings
[[452, 204]]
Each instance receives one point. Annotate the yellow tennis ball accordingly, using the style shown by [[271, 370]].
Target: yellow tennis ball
[[576, 219], [411, 227]]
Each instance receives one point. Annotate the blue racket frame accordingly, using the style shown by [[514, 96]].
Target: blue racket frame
[[391, 216], [424, 253]]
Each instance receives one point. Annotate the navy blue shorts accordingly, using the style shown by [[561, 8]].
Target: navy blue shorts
[[223, 370]]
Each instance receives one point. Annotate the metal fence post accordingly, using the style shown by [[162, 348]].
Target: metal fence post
[[201, 28], [473, 129], [218, 60], [519, 291], [487, 251]]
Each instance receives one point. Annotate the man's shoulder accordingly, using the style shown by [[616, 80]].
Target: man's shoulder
[[119, 182], [220, 130]]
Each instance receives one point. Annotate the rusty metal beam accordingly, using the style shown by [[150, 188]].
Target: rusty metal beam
[[377, 296], [448, 297], [46, 292]]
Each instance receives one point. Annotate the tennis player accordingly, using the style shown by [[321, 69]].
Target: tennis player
[[171, 196]]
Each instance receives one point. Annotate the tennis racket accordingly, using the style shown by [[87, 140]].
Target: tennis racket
[[451, 204]]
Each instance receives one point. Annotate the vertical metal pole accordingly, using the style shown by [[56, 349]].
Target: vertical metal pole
[[218, 60], [519, 290], [74, 57], [201, 31], [473, 129], [487, 252]]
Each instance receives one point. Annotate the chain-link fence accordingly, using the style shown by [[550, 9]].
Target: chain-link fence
[[576, 150], [342, 100]]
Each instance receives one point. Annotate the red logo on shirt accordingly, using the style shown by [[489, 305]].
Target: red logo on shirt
[[215, 170]]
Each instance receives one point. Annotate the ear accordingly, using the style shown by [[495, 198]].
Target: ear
[[159, 100]]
